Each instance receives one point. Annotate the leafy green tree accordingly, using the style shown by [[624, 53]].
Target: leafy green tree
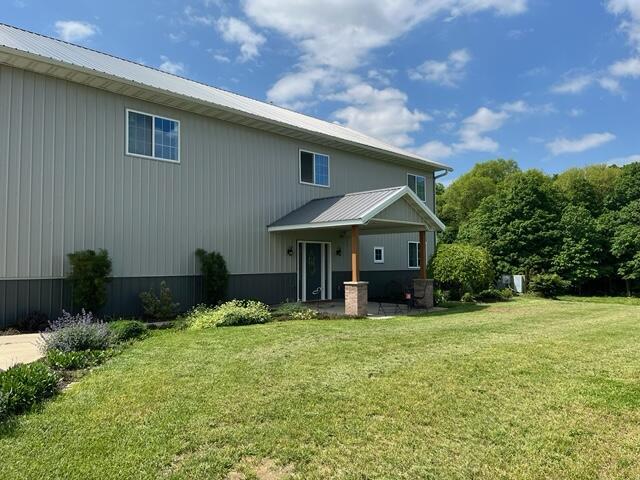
[[215, 275], [580, 252], [588, 186], [519, 225], [466, 193], [462, 268], [623, 226], [626, 188]]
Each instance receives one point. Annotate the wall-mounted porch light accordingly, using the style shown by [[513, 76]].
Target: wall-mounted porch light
[[339, 252], [290, 251]]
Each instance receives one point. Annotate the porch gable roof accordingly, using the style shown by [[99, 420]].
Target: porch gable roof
[[387, 208]]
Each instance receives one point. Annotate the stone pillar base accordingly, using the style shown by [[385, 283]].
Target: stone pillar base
[[423, 288], [356, 298]]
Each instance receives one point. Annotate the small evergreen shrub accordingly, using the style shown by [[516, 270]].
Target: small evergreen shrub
[[548, 285], [24, 385], [59, 360], [232, 313], [295, 311], [89, 276], [462, 268], [125, 330], [33, 322], [216, 276], [159, 307], [75, 333]]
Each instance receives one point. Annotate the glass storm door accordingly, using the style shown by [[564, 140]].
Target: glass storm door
[[314, 271]]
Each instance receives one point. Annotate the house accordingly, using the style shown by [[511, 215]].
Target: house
[[100, 152]]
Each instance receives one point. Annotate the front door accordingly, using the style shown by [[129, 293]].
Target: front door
[[314, 271], [313, 266]]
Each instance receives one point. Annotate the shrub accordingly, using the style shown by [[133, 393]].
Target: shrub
[[548, 285], [216, 276], [24, 385], [494, 295], [468, 298], [33, 322], [439, 297], [75, 333], [233, 313], [124, 330], [461, 267], [59, 360], [4, 406], [159, 307], [89, 276], [295, 311]]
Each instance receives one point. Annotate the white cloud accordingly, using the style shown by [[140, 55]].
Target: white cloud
[[610, 84], [221, 58], [381, 113], [434, 150], [168, 66], [560, 146], [234, 30], [75, 31], [626, 68], [194, 18], [574, 85], [473, 130], [575, 112], [631, 24], [624, 160], [446, 73], [338, 36]]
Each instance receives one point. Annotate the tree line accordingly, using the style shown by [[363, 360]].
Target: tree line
[[583, 224]]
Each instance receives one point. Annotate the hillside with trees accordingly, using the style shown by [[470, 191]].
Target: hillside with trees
[[582, 224]]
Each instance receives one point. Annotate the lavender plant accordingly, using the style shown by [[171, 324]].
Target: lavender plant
[[75, 333]]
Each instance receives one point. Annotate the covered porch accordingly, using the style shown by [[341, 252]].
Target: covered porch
[[353, 215]]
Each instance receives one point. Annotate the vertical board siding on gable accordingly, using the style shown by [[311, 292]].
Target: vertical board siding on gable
[[66, 184]]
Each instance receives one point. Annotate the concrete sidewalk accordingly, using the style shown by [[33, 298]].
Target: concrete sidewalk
[[19, 349]]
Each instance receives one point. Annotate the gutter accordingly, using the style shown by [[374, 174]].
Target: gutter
[[435, 207]]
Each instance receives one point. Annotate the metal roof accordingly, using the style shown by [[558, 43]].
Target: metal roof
[[37, 47], [357, 208]]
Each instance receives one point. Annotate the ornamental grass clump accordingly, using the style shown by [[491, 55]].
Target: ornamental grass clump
[[76, 333], [232, 313]]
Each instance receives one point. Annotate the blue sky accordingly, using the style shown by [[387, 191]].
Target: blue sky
[[551, 84]]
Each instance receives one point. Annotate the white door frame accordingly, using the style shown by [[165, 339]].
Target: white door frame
[[325, 271]]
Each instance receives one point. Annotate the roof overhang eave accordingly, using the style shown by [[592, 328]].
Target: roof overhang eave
[[20, 54]]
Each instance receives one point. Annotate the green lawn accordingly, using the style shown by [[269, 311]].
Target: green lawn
[[529, 389]]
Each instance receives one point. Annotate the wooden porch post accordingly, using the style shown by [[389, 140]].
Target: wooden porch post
[[355, 253], [422, 250]]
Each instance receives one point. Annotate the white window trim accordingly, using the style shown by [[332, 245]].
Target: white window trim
[[374, 254], [424, 200], [314, 168], [153, 136], [409, 255]]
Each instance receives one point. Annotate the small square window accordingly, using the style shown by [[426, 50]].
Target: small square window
[[378, 254], [414, 255], [314, 168]]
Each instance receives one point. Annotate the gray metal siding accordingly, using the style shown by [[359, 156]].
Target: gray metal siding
[[66, 184]]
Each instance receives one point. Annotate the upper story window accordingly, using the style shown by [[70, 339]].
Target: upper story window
[[314, 168], [418, 184], [152, 136], [378, 254]]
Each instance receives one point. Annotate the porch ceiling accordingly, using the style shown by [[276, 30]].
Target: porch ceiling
[[389, 210]]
